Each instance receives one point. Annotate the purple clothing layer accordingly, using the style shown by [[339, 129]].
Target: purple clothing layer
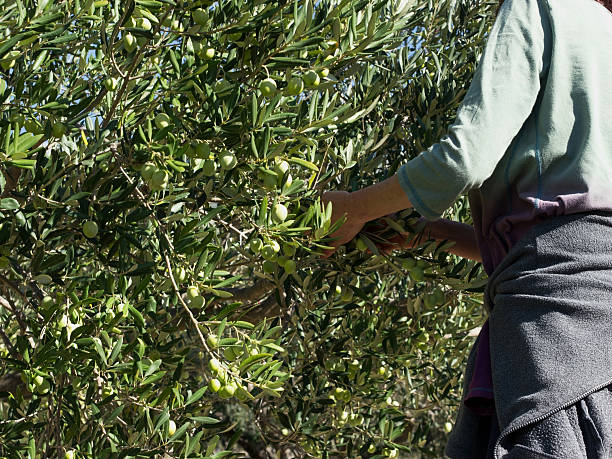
[[479, 398]]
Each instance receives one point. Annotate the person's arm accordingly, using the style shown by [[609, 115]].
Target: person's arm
[[387, 197], [462, 234], [500, 99], [378, 200]]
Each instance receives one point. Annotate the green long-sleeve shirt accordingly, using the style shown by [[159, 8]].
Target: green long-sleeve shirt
[[533, 136]]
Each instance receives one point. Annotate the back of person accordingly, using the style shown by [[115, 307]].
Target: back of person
[[543, 218], [533, 135], [560, 162]]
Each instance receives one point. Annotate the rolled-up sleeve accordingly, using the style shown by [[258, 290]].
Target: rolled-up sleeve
[[501, 97]]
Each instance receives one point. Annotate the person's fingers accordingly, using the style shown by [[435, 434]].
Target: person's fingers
[[384, 249]]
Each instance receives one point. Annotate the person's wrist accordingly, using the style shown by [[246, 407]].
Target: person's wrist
[[426, 232]]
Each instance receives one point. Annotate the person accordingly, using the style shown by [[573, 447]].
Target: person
[[531, 146]]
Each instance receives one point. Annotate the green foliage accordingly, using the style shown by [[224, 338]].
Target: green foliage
[[140, 160]]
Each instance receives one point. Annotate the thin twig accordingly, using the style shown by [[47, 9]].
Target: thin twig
[[16, 312], [185, 307], [58, 417], [9, 345]]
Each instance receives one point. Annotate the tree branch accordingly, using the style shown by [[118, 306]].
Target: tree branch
[[268, 308], [17, 313], [252, 293], [10, 382]]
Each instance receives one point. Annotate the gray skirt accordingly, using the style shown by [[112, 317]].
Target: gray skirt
[[550, 319], [584, 430]]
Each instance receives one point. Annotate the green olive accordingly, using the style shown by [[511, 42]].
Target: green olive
[[295, 86], [228, 390], [199, 16], [147, 171], [159, 180], [215, 366], [162, 120], [268, 87], [268, 252], [129, 42], [311, 79], [290, 266], [279, 213], [227, 160], [111, 84], [192, 292], [90, 229], [256, 245], [212, 341], [58, 129], [214, 385], [269, 266]]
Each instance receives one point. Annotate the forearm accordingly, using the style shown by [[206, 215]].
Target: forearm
[[388, 197], [462, 234], [380, 199]]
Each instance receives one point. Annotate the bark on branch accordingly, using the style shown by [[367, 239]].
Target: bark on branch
[[252, 293], [11, 382], [268, 308]]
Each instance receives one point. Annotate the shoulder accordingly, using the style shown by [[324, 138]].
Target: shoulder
[[523, 16], [523, 8]]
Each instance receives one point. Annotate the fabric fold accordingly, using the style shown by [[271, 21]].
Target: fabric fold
[[550, 325]]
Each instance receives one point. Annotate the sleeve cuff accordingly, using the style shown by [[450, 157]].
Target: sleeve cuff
[[414, 197]]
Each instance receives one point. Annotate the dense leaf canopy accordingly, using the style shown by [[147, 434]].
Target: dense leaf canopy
[[160, 222]]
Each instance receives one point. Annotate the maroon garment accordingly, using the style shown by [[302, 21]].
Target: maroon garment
[[479, 398], [494, 246]]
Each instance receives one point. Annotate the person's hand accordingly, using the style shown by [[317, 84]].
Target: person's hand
[[401, 241], [342, 204], [398, 241]]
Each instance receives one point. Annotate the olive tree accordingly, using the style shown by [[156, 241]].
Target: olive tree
[[161, 283]]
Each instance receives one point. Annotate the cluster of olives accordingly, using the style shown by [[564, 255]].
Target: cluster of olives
[[36, 383], [115, 311], [195, 299], [271, 179], [227, 161], [295, 85], [137, 21], [270, 251], [205, 52], [223, 384], [416, 268], [348, 417], [156, 178], [199, 150]]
